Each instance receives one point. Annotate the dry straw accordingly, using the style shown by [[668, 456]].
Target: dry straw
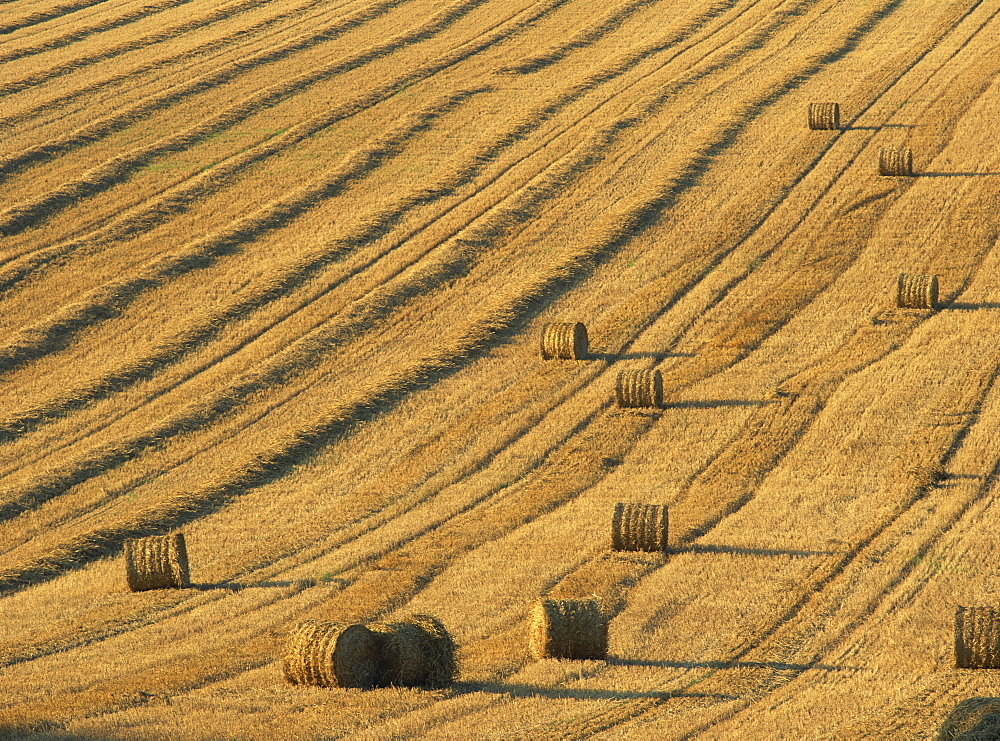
[[637, 389], [157, 562], [824, 116], [417, 652], [565, 340], [977, 637], [917, 291], [895, 161], [974, 719], [333, 655], [568, 629], [639, 527]]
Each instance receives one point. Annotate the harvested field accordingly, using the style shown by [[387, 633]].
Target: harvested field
[[304, 280]]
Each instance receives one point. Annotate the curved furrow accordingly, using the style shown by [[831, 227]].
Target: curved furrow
[[835, 245], [134, 113], [49, 70], [279, 282], [499, 312], [546, 110], [180, 197], [116, 613], [254, 31], [106, 175], [40, 16], [390, 562], [630, 709], [253, 620], [623, 64], [541, 113], [591, 33], [65, 39], [357, 316]]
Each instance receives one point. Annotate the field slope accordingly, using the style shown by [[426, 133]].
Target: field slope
[[274, 273]]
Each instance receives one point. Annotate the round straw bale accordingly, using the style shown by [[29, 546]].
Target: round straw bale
[[329, 654], [568, 629], [418, 652], [973, 719], [639, 527], [566, 340], [157, 562], [977, 637], [824, 116], [639, 388], [917, 291], [895, 161]]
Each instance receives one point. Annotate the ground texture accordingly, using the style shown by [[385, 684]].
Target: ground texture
[[273, 273]]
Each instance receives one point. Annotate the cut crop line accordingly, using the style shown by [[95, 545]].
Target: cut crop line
[[175, 199], [225, 42], [359, 316], [590, 34], [267, 96], [498, 312], [240, 645], [27, 265], [105, 301], [816, 590], [41, 16], [19, 217], [504, 308], [529, 122], [82, 33], [99, 628], [631, 710]]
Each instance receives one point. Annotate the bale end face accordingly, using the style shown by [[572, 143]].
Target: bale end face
[[824, 116], [564, 340], [977, 637], [157, 562], [639, 389], [917, 291], [568, 629]]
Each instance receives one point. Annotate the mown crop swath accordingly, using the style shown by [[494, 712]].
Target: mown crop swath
[[303, 279]]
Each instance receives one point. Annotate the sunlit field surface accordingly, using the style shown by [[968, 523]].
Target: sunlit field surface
[[273, 273]]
